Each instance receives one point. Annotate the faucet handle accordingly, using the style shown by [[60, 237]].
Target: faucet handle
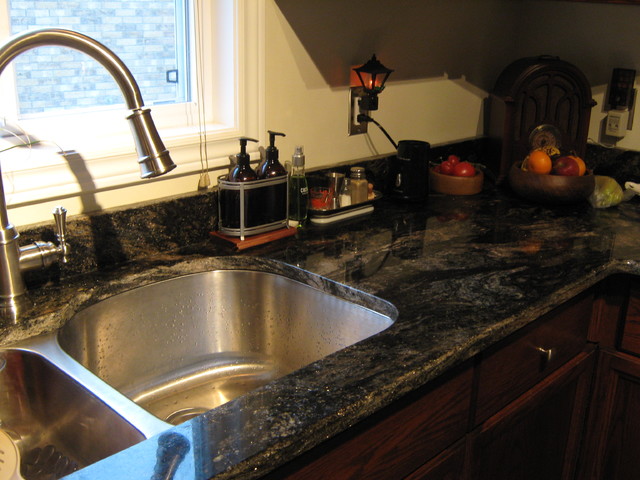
[[60, 218]]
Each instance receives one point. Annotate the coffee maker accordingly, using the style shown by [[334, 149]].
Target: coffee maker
[[409, 171]]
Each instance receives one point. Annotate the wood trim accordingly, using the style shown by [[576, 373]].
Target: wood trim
[[449, 465], [611, 296], [630, 341]]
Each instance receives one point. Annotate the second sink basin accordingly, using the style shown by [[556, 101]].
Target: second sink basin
[[55, 423], [183, 346]]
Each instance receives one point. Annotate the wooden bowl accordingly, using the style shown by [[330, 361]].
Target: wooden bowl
[[455, 185], [551, 189]]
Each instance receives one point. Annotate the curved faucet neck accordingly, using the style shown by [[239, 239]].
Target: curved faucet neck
[[67, 38], [153, 160]]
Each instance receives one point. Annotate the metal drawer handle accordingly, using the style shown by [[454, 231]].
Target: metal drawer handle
[[546, 355]]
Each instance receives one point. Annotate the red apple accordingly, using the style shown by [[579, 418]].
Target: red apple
[[566, 166]]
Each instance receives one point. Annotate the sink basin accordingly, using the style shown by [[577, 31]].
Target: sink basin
[[57, 424], [183, 346]]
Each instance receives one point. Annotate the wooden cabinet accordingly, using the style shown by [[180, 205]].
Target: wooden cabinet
[[538, 435], [515, 411], [613, 435], [532, 398]]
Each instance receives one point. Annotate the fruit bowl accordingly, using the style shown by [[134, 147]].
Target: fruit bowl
[[452, 185], [551, 189]]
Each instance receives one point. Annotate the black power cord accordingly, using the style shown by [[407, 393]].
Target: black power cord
[[362, 117]]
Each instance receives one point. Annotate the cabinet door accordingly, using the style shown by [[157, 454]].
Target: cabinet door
[[536, 436], [614, 440]]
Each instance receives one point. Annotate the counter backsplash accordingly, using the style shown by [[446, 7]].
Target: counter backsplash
[[107, 239]]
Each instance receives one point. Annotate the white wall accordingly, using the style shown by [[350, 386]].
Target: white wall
[[307, 79], [300, 103]]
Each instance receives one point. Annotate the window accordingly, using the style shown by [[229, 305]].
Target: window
[[151, 37], [195, 62]]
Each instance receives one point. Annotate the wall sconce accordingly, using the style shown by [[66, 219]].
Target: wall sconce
[[364, 98]]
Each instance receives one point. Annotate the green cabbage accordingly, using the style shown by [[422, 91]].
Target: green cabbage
[[607, 192]]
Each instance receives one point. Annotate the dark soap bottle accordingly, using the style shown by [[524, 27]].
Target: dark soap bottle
[[241, 172], [274, 197], [272, 166]]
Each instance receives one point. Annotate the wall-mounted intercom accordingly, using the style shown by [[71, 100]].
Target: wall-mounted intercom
[[621, 101]]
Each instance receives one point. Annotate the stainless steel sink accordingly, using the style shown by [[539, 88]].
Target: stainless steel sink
[[183, 346], [57, 424]]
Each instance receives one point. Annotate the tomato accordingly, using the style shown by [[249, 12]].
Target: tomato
[[446, 168], [453, 159], [437, 169], [464, 169]]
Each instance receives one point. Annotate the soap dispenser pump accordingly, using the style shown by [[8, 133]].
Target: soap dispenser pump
[[271, 166], [242, 171]]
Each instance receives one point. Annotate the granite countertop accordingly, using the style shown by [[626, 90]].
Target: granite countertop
[[463, 272]]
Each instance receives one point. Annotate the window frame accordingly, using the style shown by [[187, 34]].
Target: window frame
[[39, 174]]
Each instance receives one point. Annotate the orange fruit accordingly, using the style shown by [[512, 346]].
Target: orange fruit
[[581, 164], [539, 162]]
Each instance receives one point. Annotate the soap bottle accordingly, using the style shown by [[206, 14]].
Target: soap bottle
[[230, 199], [359, 185], [274, 196], [271, 166], [242, 171], [298, 190]]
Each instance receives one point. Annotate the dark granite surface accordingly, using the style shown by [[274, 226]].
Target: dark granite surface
[[463, 272]]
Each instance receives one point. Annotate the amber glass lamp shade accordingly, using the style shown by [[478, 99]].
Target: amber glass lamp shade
[[372, 75]]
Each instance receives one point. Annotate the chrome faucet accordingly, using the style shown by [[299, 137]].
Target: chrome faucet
[[153, 159]]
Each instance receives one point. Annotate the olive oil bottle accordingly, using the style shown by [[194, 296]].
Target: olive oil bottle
[[298, 190]]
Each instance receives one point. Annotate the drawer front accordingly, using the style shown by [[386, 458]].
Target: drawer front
[[630, 342], [522, 360]]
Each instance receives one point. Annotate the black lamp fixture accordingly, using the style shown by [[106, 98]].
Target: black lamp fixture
[[364, 97], [373, 75]]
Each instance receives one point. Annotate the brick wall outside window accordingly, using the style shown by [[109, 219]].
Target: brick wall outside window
[[141, 32]]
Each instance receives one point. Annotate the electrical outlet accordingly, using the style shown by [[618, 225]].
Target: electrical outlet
[[355, 127], [617, 121]]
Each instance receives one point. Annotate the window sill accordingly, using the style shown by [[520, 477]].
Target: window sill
[[42, 175]]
